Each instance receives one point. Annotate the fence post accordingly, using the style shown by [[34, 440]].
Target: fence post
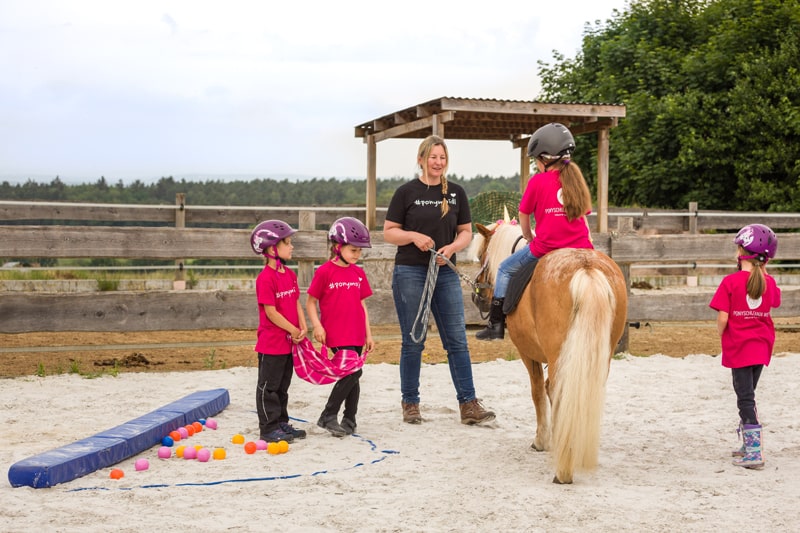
[[693, 218], [179, 283], [305, 269], [624, 225]]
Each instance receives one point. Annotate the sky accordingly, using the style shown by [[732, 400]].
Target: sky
[[197, 89]]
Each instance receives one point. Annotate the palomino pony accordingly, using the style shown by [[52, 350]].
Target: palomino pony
[[570, 317]]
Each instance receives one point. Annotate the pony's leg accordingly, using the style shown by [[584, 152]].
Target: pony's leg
[[541, 441]]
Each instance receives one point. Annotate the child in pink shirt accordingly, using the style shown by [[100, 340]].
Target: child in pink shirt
[[280, 323], [743, 302], [340, 287], [559, 200]]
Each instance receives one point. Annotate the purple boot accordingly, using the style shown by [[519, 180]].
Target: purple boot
[[751, 434]]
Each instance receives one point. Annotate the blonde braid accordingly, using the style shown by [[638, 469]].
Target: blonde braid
[[445, 205]]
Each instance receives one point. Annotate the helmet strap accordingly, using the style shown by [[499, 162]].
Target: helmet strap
[[337, 249], [760, 257]]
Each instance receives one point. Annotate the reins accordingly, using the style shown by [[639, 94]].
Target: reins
[[423, 313]]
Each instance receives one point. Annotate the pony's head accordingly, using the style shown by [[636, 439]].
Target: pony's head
[[490, 246]]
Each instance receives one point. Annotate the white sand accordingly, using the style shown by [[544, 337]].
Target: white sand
[[664, 457]]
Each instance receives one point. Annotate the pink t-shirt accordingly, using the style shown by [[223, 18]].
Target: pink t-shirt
[[340, 291], [750, 335], [542, 199], [280, 290]]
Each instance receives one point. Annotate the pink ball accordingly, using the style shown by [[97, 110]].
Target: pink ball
[[141, 464], [211, 423], [190, 453], [164, 452], [261, 444], [203, 455], [184, 432]]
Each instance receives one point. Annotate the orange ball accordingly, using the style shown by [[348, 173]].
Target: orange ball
[[219, 454], [179, 451], [175, 436], [283, 446], [237, 439], [272, 448], [250, 447], [190, 430], [198, 427], [117, 474]]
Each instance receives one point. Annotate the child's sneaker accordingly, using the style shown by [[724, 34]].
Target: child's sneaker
[[331, 425], [286, 427], [277, 435], [349, 426]]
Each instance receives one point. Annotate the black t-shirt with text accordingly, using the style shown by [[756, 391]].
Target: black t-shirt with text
[[418, 207]]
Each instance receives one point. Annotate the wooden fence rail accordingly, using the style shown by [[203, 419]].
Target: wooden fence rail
[[192, 309]]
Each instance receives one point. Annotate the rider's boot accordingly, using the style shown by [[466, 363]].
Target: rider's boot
[[497, 322]]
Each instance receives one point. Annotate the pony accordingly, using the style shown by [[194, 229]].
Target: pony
[[570, 317]]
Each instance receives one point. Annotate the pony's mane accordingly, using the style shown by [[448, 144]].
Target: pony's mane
[[501, 244]]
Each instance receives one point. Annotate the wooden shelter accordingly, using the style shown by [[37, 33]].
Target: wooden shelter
[[492, 120]]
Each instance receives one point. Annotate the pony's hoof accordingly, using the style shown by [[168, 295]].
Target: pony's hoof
[[536, 448], [559, 482]]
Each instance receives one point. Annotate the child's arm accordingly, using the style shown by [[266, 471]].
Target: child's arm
[[586, 221], [303, 325], [279, 320], [722, 322], [311, 308], [369, 344], [525, 225]]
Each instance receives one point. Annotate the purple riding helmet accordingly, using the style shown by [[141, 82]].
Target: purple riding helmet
[[759, 240], [349, 230], [269, 233]]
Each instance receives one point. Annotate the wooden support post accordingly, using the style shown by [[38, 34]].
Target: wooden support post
[[179, 283], [624, 225], [305, 269], [372, 182], [602, 180], [524, 168]]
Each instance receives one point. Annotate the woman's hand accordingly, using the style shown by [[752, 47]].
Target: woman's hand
[[423, 242]]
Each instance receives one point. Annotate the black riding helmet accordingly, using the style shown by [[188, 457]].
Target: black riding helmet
[[552, 141]]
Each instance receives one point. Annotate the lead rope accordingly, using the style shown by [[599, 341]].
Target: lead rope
[[423, 313]]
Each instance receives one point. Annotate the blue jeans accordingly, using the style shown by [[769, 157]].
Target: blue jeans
[[510, 266], [447, 308]]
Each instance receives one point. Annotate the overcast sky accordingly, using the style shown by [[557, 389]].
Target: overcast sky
[[144, 89]]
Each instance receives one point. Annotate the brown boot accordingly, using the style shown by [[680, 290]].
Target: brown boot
[[411, 413], [473, 412]]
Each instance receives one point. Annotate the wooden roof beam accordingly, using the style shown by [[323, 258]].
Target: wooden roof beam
[[410, 127]]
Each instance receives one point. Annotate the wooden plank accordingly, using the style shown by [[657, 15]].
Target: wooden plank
[[688, 248], [532, 108], [409, 127], [671, 307]]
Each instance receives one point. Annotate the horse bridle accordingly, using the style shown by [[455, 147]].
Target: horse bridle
[[477, 298]]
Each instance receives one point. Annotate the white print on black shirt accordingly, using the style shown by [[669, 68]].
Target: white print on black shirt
[[435, 203]]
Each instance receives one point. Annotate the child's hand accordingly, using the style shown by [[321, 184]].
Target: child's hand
[[369, 344], [319, 334], [298, 336]]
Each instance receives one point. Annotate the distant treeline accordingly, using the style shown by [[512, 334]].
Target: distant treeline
[[317, 191]]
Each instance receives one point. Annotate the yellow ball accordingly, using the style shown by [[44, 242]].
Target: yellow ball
[[179, 451], [219, 454], [273, 448], [238, 439], [283, 446]]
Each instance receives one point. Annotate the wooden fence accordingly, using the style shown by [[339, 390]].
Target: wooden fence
[[628, 244]]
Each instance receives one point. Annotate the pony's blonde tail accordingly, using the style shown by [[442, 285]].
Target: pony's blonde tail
[[581, 373]]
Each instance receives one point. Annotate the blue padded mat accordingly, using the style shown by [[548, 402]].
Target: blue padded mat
[[116, 444]]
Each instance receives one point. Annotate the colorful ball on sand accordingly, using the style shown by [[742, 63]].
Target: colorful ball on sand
[[141, 464], [190, 453], [175, 436], [164, 452], [237, 439], [179, 451], [261, 444], [211, 423], [203, 455], [272, 448], [283, 446], [117, 474], [219, 454], [250, 447], [198, 427], [184, 433], [189, 429], [167, 441]]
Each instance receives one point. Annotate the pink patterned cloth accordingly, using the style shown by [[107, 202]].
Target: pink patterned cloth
[[315, 367]]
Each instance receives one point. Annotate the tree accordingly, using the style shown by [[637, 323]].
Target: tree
[[712, 90]]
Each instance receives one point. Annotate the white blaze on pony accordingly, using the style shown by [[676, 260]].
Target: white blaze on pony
[[570, 317]]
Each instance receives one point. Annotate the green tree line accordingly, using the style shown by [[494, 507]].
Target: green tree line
[[257, 192], [712, 92]]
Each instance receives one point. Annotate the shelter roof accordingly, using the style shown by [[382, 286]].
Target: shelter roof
[[490, 119]]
